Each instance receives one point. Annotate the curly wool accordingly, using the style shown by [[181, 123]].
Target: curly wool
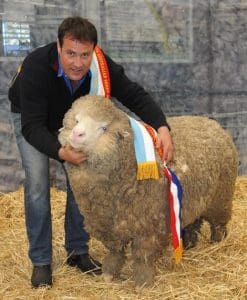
[[119, 210]]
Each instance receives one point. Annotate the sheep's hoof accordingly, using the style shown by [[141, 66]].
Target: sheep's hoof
[[143, 276], [108, 278], [218, 233], [190, 234]]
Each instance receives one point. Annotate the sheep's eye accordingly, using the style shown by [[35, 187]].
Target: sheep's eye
[[103, 128], [77, 118]]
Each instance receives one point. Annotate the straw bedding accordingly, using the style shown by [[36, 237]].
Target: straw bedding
[[209, 271]]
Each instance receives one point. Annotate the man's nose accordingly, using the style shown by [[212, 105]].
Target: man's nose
[[78, 61]]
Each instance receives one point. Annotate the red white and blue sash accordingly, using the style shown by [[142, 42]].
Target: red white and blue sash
[[175, 194], [144, 141]]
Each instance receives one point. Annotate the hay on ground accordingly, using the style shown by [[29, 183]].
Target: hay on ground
[[209, 271]]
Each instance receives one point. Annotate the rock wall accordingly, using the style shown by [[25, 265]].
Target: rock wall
[[190, 55]]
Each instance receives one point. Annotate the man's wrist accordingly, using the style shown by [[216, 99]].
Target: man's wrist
[[163, 128]]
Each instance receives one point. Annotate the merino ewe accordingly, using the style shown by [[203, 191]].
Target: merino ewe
[[121, 210]]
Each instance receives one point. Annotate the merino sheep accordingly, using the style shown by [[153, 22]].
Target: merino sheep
[[121, 210]]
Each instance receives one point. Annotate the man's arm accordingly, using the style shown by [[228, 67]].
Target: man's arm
[[134, 97], [34, 109]]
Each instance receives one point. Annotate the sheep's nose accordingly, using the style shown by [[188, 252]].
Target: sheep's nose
[[78, 133]]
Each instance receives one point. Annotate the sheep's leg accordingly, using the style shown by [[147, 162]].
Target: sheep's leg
[[218, 226], [144, 253], [143, 272], [144, 266], [112, 264], [219, 213], [218, 232], [218, 219], [190, 234]]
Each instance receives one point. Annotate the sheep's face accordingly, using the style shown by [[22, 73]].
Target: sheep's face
[[87, 132], [94, 125]]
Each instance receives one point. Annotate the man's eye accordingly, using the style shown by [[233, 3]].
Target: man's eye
[[71, 54], [85, 55]]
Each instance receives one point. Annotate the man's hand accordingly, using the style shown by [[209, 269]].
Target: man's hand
[[164, 142], [71, 155]]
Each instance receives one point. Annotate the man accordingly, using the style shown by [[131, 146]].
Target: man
[[50, 79]]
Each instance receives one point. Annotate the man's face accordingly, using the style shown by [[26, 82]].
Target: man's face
[[75, 57]]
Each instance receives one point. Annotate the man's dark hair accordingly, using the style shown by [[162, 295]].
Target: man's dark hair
[[78, 28]]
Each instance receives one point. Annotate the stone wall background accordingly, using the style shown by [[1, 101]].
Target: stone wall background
[[211, 80]]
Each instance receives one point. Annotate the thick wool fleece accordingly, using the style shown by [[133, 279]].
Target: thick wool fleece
[[119, 210]]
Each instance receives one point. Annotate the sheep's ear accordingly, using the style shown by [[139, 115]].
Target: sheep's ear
[[123, 134], [61, 129]]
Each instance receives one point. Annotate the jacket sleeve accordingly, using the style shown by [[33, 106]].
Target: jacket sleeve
[[34, 109], [134, 97]]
